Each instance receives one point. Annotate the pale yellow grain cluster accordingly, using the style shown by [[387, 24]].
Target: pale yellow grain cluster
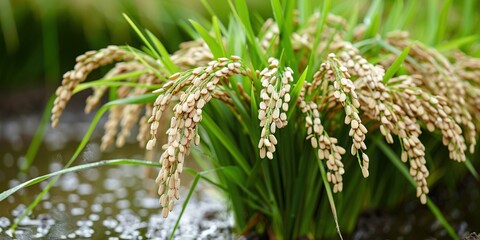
[[272, 111], [194, 90], [438, 76], [86, 63]]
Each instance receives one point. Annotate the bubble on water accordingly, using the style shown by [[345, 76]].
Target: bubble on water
[[47, 205], [69, 182], [149, 203], [84, 223], [23, 234], [96, 208], [77, 211], [55, 140], [84, 203], [61, 207], [108, 197], [114, 173], [111, 184], [94, 217], [91, 153], [19, 210], [143, 212], [73, 198], [123, 204], [91, 174], [121, 193], [107, 210], [84, 189], [4, 222], [55, 166], [85, 232], [110, 223]]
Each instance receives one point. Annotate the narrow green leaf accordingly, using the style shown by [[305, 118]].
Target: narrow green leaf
[[432, 24], [329, 195], [278, 12], [38, 136], [296, 92], [472, 169], [467, 16], [457, 43], [165, 57], [372, 18], [214, 46], [213, 128], [442, 21], [184, 205], [141, 35], [101, 81], [218, 34], [82, 167], [396, 64]]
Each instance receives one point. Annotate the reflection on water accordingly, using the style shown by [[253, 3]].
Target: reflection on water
[[100, 203], [118, 202]]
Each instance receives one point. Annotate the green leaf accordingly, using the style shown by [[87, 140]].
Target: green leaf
[[38, 136], [141, 35], [296, 93], [457, 43], [396, 64], [329, 195], [442, 22], [82, 167], [215, 47], [213, 128], [165, 57]]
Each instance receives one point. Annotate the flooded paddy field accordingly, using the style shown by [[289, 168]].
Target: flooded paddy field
[[120, 202]]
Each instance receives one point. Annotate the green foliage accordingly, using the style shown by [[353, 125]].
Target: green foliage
[[289, 196]]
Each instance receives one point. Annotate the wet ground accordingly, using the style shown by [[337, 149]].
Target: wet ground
[[118, 202], [99, 203]]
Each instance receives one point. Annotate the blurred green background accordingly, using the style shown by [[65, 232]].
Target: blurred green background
[[39, 39]]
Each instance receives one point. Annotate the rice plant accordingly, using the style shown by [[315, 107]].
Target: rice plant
[[292, 116]]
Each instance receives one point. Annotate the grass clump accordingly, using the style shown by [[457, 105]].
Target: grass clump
[[292, 111]]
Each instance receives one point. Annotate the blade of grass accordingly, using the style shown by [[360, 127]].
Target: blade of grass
[[432, 24], [184, 205], [165, 57], [9, 29], [214, 46], [467, 15], [141, 35], [396, 64], [457, 43], [38, 136], [472, 169], [213, 128], [82, 167], [442, 22], [329, 195], [296, 92], [318, 35], [372, 18]]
